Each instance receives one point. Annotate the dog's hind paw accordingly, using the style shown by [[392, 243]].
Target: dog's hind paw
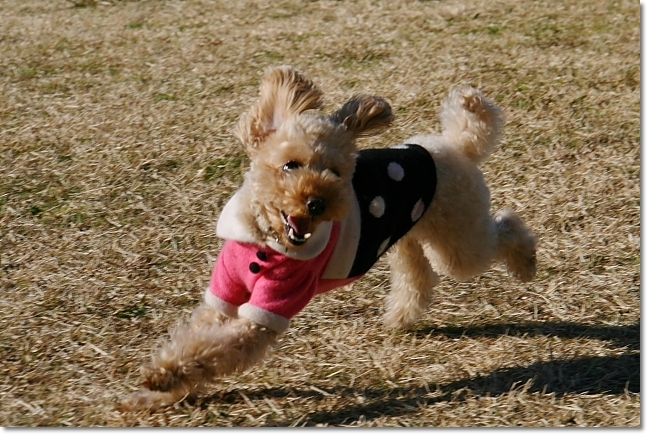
[[523, 268], [157, 378]]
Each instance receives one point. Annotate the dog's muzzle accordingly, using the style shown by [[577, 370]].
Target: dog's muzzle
[[297, 228]]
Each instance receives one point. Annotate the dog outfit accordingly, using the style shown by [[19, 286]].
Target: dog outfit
[[269, 284]]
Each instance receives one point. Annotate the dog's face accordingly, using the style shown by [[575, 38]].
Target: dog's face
[[302, 163], [302, 177]]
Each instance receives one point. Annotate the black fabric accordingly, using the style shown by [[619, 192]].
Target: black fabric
[[379, 187]]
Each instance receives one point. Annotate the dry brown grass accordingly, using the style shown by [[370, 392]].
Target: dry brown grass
[[116, 155]]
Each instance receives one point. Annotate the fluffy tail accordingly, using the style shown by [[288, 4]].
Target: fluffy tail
[[471, 121]]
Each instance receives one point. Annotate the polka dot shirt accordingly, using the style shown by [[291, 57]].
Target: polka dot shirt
[[394, 187]]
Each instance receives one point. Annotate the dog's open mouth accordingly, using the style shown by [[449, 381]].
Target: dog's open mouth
[[297, 228]]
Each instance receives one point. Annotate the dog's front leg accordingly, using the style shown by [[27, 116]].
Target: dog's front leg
[[197, 354]]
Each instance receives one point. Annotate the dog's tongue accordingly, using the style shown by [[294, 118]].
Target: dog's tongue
[[301, 225]]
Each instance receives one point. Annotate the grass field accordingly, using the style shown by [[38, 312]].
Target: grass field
[[116, 156]]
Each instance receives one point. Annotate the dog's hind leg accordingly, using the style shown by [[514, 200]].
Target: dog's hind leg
[[412, 281], [516, 245]]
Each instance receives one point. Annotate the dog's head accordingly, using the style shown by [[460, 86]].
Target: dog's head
[[302, 163]]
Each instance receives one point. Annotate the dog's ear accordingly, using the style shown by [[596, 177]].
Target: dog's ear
[[364, 115], [283, 92]]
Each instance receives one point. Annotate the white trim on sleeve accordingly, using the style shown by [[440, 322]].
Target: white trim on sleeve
[[230, 310], [277, 323]]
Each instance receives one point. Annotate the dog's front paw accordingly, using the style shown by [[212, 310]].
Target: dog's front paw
[[144, 399], [137, 401]]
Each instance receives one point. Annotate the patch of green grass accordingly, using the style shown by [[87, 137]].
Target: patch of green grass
[[92, 67], [83, 3], [348, 84], [171, 164], [554, 31], [352, 58], [78, 218], [56, 88], [631, 76], [493, 30], [35, 210], [63, 44], [270, 55], [161, 96], [64, 158], [197, 25], [27, 73], [132, 311], [299, 38], [230, 167], [222, 90]]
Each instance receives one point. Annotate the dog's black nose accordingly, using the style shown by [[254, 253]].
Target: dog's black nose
[[316, 206]]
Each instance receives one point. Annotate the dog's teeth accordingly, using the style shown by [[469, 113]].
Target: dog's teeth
[[297, 237], [293, 236]]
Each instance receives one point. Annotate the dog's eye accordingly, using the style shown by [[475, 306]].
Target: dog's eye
[[335, 172], [291, 165]]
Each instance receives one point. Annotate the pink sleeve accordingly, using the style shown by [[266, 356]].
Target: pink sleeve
[[265, 286], [286, 288], [226, 282]]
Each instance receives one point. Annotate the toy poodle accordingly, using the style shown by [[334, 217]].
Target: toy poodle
[[314, 213]]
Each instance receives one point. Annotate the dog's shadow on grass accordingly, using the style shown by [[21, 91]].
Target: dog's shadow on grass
[[589, 375], [619, 335]]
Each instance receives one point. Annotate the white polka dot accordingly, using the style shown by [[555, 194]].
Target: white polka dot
[[383, 247], [377, 206], [418, 210], [395, 171]]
